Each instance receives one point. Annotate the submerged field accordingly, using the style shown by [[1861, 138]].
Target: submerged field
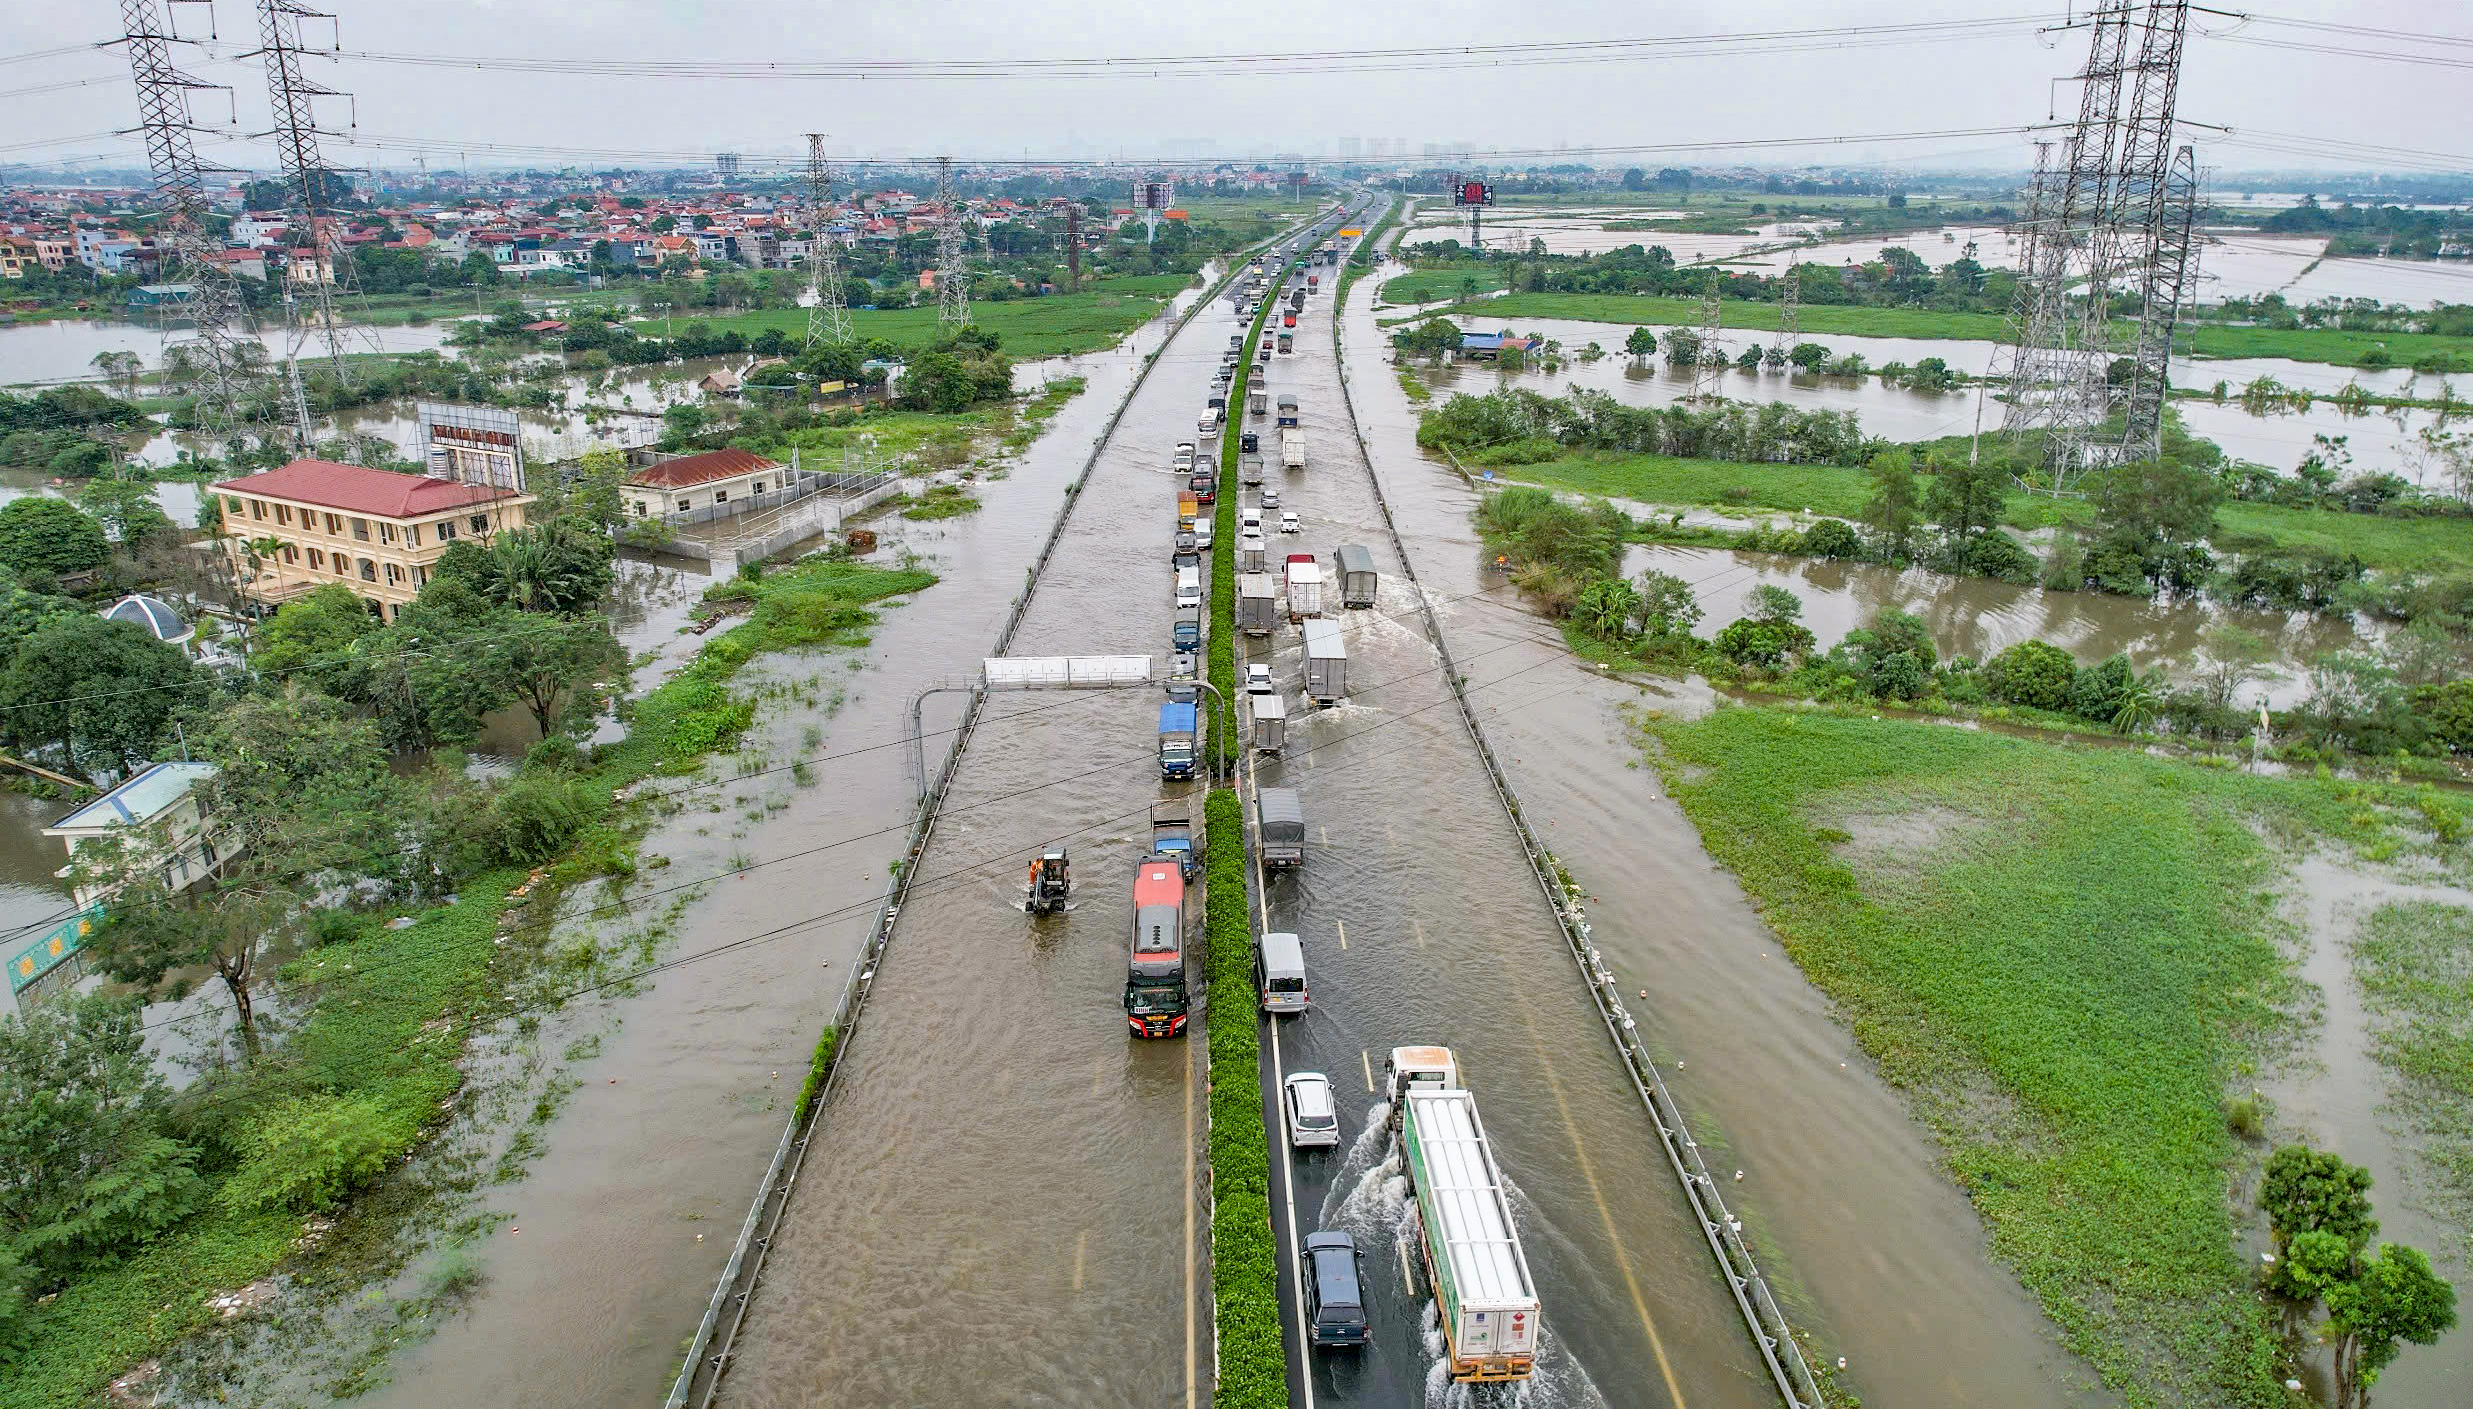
[[2063, 955]]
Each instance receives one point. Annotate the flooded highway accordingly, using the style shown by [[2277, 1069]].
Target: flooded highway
[[1874, 1251], [628, 1214], [1422, 924], [1004, 1201]]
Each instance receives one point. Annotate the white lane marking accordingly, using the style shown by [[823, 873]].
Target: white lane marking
[[1366, 1055], [1288, 1183], [1343, 924]]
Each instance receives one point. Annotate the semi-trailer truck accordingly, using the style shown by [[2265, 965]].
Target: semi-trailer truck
[[1490, 1311]]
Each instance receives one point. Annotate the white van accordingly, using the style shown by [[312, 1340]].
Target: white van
[[1189, 588], [1279, 973]]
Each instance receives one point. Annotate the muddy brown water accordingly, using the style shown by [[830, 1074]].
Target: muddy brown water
[[630, 1211], [1871, 1246]]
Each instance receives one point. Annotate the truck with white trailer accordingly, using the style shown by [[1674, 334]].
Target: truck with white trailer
[[1292, 449], [1326, 663], [1270, 722], [1490, 1311], [1304, 586], [1257, 603]]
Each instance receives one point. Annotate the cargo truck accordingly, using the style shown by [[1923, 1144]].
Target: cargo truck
[[1176, 740], [1279, 828], [1172, 833], [1249, 468], [1473, 1260], [1355, 572], [1257, 604], [1287, 410], [1188, 508], [1304, 586], [1258, 400], [1292, 448], [1253, 555], [1287, 342], [1326, 663], [1270, 722]]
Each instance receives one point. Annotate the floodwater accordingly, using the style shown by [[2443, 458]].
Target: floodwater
[[64, 350], [1592, 237], [2378, 440], [1873, 1249], [2242, 263], [629, 1213], [1005, 1179]]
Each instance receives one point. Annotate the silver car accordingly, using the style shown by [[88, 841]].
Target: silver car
[[1313, 1121]]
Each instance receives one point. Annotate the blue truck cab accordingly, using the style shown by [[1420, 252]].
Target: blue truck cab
[[1176, 740]]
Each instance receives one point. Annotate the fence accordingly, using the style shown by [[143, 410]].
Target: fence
[[1776, 1341], [707, 1361]]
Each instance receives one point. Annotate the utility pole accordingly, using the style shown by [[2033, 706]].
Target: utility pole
[[1709, 360], [828, 318], [1073, 247], [296, 143], [1789, 305], [225, 375], [952, 270]]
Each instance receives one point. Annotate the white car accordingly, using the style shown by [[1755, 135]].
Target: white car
[[1249, 521], [1258, 679], [1202, 535], [1288, 523], [1312, 1118]]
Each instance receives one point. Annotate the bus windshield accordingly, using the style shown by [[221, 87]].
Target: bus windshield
[[1141, 998]]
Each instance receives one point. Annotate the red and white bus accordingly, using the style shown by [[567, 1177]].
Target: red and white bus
[[1155, 1002]]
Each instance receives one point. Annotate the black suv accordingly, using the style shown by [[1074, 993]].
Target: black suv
[[1334, 1299]]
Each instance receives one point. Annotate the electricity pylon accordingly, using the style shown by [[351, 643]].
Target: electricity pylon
[[828, 317], [306, 175], [952, 271], [1709, 362]]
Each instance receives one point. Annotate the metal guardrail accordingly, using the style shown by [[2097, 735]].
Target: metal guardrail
[[708, 1354], [1778, 1345]]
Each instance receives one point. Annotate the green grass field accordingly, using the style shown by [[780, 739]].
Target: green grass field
[[1817, 321], [2426, 545], [2063, 956], [1030, 327]]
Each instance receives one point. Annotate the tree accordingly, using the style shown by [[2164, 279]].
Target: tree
[[549, 670], [1606, 607], [2139, 701], [1894, 511], [2031, 673], [2306, 1190], [1810, 356], [313, 632], [2157, 514], [1967, 499], [593, 495], [1771, 603], [126, 508], [45, 537], [1634, 179], [1642, 344], [305, 801], [2395, 1297], [560, 566], [1666, 608], [2234, 658], [85, 1168], [103, 690], [122, 368]]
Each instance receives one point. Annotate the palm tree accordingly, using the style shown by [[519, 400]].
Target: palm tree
[[2142, 699]]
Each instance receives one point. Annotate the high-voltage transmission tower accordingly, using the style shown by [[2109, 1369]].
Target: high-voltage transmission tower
[[219, 352], [1709, 360], [952, 270], [2107, 219], [1789, 304], [306, 177], [828, 317]]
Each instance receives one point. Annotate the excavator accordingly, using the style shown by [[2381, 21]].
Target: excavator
[[1051, 880]]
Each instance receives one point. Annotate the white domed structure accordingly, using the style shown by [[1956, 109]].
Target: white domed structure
[[155, 616]]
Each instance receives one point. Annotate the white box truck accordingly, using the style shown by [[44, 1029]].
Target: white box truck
[[1490, 1311], [1257, 603], [1270, 722], [1326, 663], [1304, 586], [1292, 448]]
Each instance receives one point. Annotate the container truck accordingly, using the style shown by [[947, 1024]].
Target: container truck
[[1354, 568], [1176, 740], [1270, 722], [1257, 604], [1279, 828], [1326, 663], [1304, 586], [1292, 448], [1473, 1260]]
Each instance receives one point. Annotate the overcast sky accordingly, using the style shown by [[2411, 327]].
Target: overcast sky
[[2001, 79]]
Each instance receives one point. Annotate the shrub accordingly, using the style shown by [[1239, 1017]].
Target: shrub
[[2448, 711], [1244, 1268], [1832, 538], [305, 1152], [534, 817], [1751, 642], [1996, 554], [2096, 692], [43, 537], [2031, 673]]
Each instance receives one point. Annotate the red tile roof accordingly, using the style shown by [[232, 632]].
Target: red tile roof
[[690, 470], [360, 490]]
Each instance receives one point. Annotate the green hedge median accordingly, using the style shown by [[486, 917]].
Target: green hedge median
[[1253, 1366]]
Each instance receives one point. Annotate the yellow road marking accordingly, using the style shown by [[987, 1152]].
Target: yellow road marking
[[1605, 1214]]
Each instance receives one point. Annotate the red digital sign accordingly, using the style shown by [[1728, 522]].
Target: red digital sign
[[1475, 193]]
